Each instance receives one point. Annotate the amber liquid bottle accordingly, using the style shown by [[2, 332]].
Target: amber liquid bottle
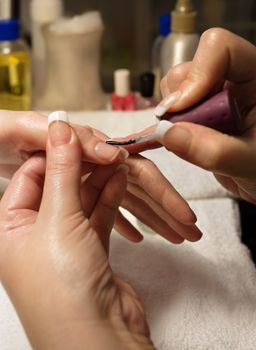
[[15, 72]]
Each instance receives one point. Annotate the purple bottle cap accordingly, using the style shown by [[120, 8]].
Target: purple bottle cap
[[219, 112]]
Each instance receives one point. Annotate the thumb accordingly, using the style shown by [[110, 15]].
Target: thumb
[[63, 168], [209, 149]]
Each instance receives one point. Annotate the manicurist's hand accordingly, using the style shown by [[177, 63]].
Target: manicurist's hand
[[54, 241], [223, 60], [149, 196]]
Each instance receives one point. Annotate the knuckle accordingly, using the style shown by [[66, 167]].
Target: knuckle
[[213, 159], [214, 36], [61, 164]]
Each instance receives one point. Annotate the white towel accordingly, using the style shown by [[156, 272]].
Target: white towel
[[197, 296]]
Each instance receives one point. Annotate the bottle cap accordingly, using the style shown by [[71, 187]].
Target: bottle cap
[[9, 30], [46, 11], [122, 82], [147, 81], [184, 17], [9, 9], [164, 23]]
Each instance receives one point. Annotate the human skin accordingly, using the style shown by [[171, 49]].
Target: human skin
[[54, 240], [222, 60], [149, 195]]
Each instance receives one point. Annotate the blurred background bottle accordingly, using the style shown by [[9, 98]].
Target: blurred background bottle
[[122, 99], [42, 13], [15, 77], [164, 28], [181, 44], [145, 98], [9, 9]]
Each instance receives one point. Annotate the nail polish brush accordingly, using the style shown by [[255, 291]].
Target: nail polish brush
[[219, 112]]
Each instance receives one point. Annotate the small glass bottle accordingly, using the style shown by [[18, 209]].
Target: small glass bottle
[[122, 99], [146, 99], [15, 73]]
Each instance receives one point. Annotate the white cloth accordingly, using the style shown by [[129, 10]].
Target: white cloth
[[197, 296]]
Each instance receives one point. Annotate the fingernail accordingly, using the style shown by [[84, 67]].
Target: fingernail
[[162, 127], [166, 103], [58, 128], [107, 152]]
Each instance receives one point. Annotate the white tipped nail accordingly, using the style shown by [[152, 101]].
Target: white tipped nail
[[58, 115], [162, 127], [166, 103], [160, 110]]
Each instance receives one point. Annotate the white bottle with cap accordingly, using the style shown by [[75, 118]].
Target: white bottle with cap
[[42, 13], [181, 44], [122, 98]]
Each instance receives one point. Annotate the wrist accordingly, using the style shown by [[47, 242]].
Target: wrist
[[71, 329]]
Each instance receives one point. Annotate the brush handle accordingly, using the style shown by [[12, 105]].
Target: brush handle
[[219, 112]]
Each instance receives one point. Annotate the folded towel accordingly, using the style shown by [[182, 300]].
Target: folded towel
[[196, 295]]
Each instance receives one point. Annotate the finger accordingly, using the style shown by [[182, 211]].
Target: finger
[[217, 58], [144, 173], [126, 229], [96, 149], [141, 146], [31, 129], [189, 232], [92, 187], [61, 193], [146, 215], [211, 149], [105, 211], [25, 188], [175, 76]]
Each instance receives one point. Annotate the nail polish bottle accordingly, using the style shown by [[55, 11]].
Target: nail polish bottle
[[146, 98], [122, 99]]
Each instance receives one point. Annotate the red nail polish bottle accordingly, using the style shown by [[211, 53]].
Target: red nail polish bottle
[[122, 99]]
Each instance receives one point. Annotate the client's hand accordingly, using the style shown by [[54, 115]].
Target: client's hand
[[54, 238], [24, 133], [149, 196]]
